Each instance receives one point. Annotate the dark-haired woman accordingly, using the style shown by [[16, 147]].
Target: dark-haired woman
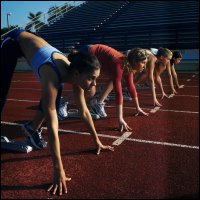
[[52, 68], [176, 59], [117, 66]]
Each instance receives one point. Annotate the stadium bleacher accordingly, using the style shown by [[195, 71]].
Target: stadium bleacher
[[127, 24], [79, 22]]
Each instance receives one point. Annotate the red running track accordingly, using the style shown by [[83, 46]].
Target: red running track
[[159, 160]]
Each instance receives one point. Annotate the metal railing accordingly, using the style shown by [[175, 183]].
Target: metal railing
[[46, 18]]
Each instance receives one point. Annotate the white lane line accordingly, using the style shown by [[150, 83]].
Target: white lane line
[[23, 81], [188, 80], [23, 100], [177, 95], [116, 137], [155, 109], [182, 86], [35, 89], [14, 88], [182, 111], [193, 76], [163, 143], [151, 110], [122, 138], [185, 86], [26, 81]]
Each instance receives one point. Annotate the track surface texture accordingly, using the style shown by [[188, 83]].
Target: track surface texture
[[159, 159]]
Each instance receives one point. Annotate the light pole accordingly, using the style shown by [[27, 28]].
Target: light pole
[[8, 14]]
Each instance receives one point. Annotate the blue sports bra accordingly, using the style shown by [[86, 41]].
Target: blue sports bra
[[42, 56]]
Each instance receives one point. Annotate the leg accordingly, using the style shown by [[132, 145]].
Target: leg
[[33, 128], [97, 104], [9, 55], [37, 121], [108, 88]]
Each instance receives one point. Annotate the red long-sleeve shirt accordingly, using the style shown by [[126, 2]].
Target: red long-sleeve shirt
[[111, 63]]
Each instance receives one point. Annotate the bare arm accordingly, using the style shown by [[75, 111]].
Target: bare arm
[[170, 78], [49, 94], [175, 76], [119, 100], [139, 110], [159, 81], [86, 116], [151, 80], [132, 90], [122, 124]]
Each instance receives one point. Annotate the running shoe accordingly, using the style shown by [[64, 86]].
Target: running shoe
[[35, 136], [62, 111], [98, 108]]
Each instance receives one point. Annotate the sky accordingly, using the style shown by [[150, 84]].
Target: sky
[[20, 10]]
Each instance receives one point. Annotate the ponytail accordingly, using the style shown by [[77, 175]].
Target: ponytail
[[126, 65]]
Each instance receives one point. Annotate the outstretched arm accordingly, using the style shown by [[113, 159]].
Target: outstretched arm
[[119, 99], [151, 80], [85, 114], [173, 91], [49, 94], [159, 81], [132, 90], [122, 124], [174, 74]]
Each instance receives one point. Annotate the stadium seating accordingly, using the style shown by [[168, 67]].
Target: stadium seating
[[127, 24]]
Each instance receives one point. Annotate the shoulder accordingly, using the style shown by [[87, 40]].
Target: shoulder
[[152, 59]]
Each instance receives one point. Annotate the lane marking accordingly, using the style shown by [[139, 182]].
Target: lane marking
[[177, 95], [151, 110], [181, 111], [155, 109], [116, 137], [29, 81], [185, 86], [21, 100], [122, 138], [182, 86], [131, 108], [35, 89], [164, 143], [188, 80], [26, 81], [193, 76]]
